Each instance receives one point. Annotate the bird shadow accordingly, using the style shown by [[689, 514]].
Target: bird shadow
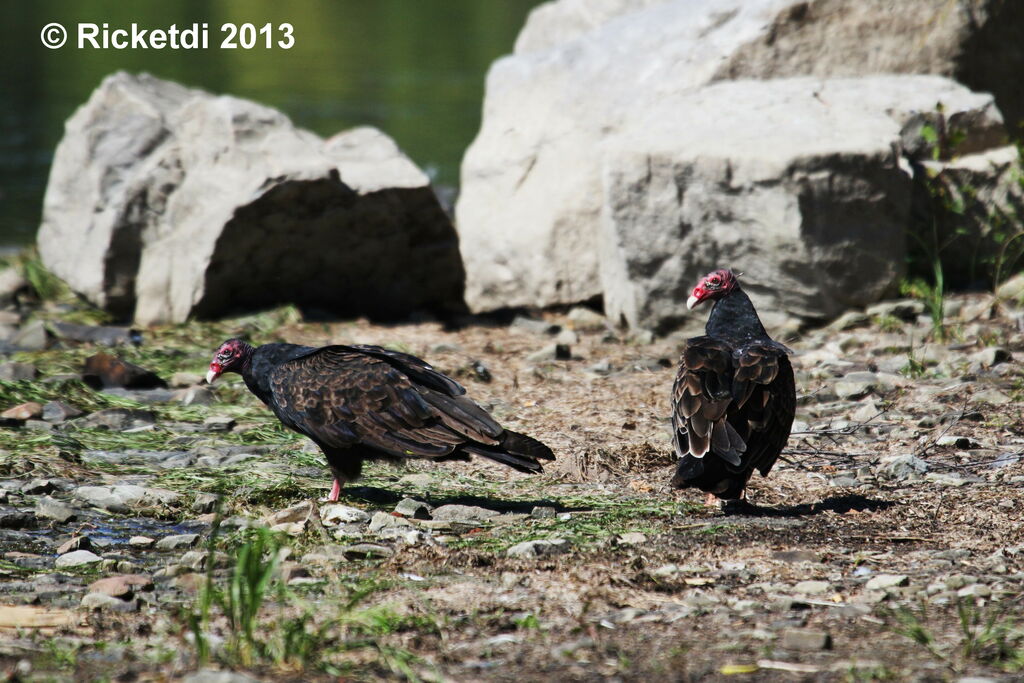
[[839, 504], [379, 496]]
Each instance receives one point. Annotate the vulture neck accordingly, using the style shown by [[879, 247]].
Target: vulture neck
[[733, 318]]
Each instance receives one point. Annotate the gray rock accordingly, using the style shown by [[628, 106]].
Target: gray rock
[[466, 514], [886, 581], [56, 411], [342, 514], [1012, 289], [240, 206], [409, 507], [856, 385], [812, 587], [77, 558], [48, 508], [991, 356], [543, 512], [177, 542], [550, 352], [805, 640], [16, 372], [32, 336], [569, 98], [39, 486], [122, 497], [219, 423], [385, 520], [366, 551], [900, 468], [586, 320], [101, 601], [180, 380], [902, 309], [95, 334], [205, 502], [194, 396], [11, 282], [521, 322], [117, 419], [961, 442], [531, 549]]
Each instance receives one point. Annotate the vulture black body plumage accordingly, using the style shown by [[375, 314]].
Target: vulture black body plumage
[[734, 397], [364, 402]]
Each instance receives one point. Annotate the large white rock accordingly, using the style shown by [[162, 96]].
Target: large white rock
[[799, 183], [166, 202], [586, 73]]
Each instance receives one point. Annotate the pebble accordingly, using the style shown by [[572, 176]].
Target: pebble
[[366, 551], [903, 309], [121, 586], [24, 411], [219, 423], [541, 548], [101, 601], [543, 512], [77, 558], [212, 676], [141, 541], [883, 581], [631, 538], [204, 502], [812, 587], [122, 497], [467, 514], [386, 520], [977, 590], [117, 419], [56, 411], [49, 508], [36, 487], [856, 385], [177, 541], [337, 513], [186, 379], [299, 512], [805, 640], [901, 467], [410, 507], [17, 372]]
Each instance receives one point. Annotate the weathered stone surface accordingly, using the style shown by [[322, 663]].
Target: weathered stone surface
[[884, 581], [77, 558], [118, 419], [342, 514], [122, 497], [165, 202], [94, 334], [23, 411], [58, 411], [560, 165], [121, 586], [529, 549], [177, 541], [56, 510], [13, 371]]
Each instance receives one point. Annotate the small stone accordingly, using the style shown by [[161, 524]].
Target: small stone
[[542, 512], [299, 512], [36, 487], [904, 309], [466, 514], [631, 538], [74, 543], [884, 581], [796, 556], [17, 372], [32, 336], [177, 541], [211, 676], [24, 411], [122, 586], [992, 356], [541, 548], [535, 326], [186, 379], [219, 423], [342, 514], [385, 520], [367, 551], [194, 396], [567, 338], [549, 352], [850, 320], [141, 541], [805, 640], [49, 508], [945, 479], [205, 502], [586, 320], [101, 601], [77, 558], [992, 397], [56, 411], [420, 480], [977, 590], [410, 507], [901, 467], [117, 419], [856, 385], [812, 587], [961, 442]]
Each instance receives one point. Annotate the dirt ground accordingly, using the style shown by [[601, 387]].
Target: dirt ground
[[885, 545]]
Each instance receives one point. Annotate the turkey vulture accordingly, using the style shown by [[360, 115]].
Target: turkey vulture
[[365, 402], [734, 396]]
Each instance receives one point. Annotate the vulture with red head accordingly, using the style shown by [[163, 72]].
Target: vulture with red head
[[368, 403], [734, 397]]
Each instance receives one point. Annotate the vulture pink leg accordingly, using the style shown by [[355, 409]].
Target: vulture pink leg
[[335, 491]]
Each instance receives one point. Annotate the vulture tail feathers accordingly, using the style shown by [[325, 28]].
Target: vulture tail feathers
[[516, 450]]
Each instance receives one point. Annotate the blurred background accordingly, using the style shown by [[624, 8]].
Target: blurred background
[[414, 69]]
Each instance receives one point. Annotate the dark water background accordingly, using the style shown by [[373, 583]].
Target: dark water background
[[413, 68]]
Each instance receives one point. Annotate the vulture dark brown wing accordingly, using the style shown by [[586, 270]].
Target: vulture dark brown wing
[[701, 395], [764, 419], [342, 396]]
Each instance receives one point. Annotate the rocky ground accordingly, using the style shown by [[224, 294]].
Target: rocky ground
[[150, 533]]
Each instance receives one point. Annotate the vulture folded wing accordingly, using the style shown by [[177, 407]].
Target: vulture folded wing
[[342, 396], [701, 396], [764, 416]]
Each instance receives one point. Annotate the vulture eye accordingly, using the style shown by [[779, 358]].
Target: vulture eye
[[714, 282]]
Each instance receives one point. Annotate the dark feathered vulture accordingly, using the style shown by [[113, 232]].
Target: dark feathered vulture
[[734, 397], [365, 403]]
